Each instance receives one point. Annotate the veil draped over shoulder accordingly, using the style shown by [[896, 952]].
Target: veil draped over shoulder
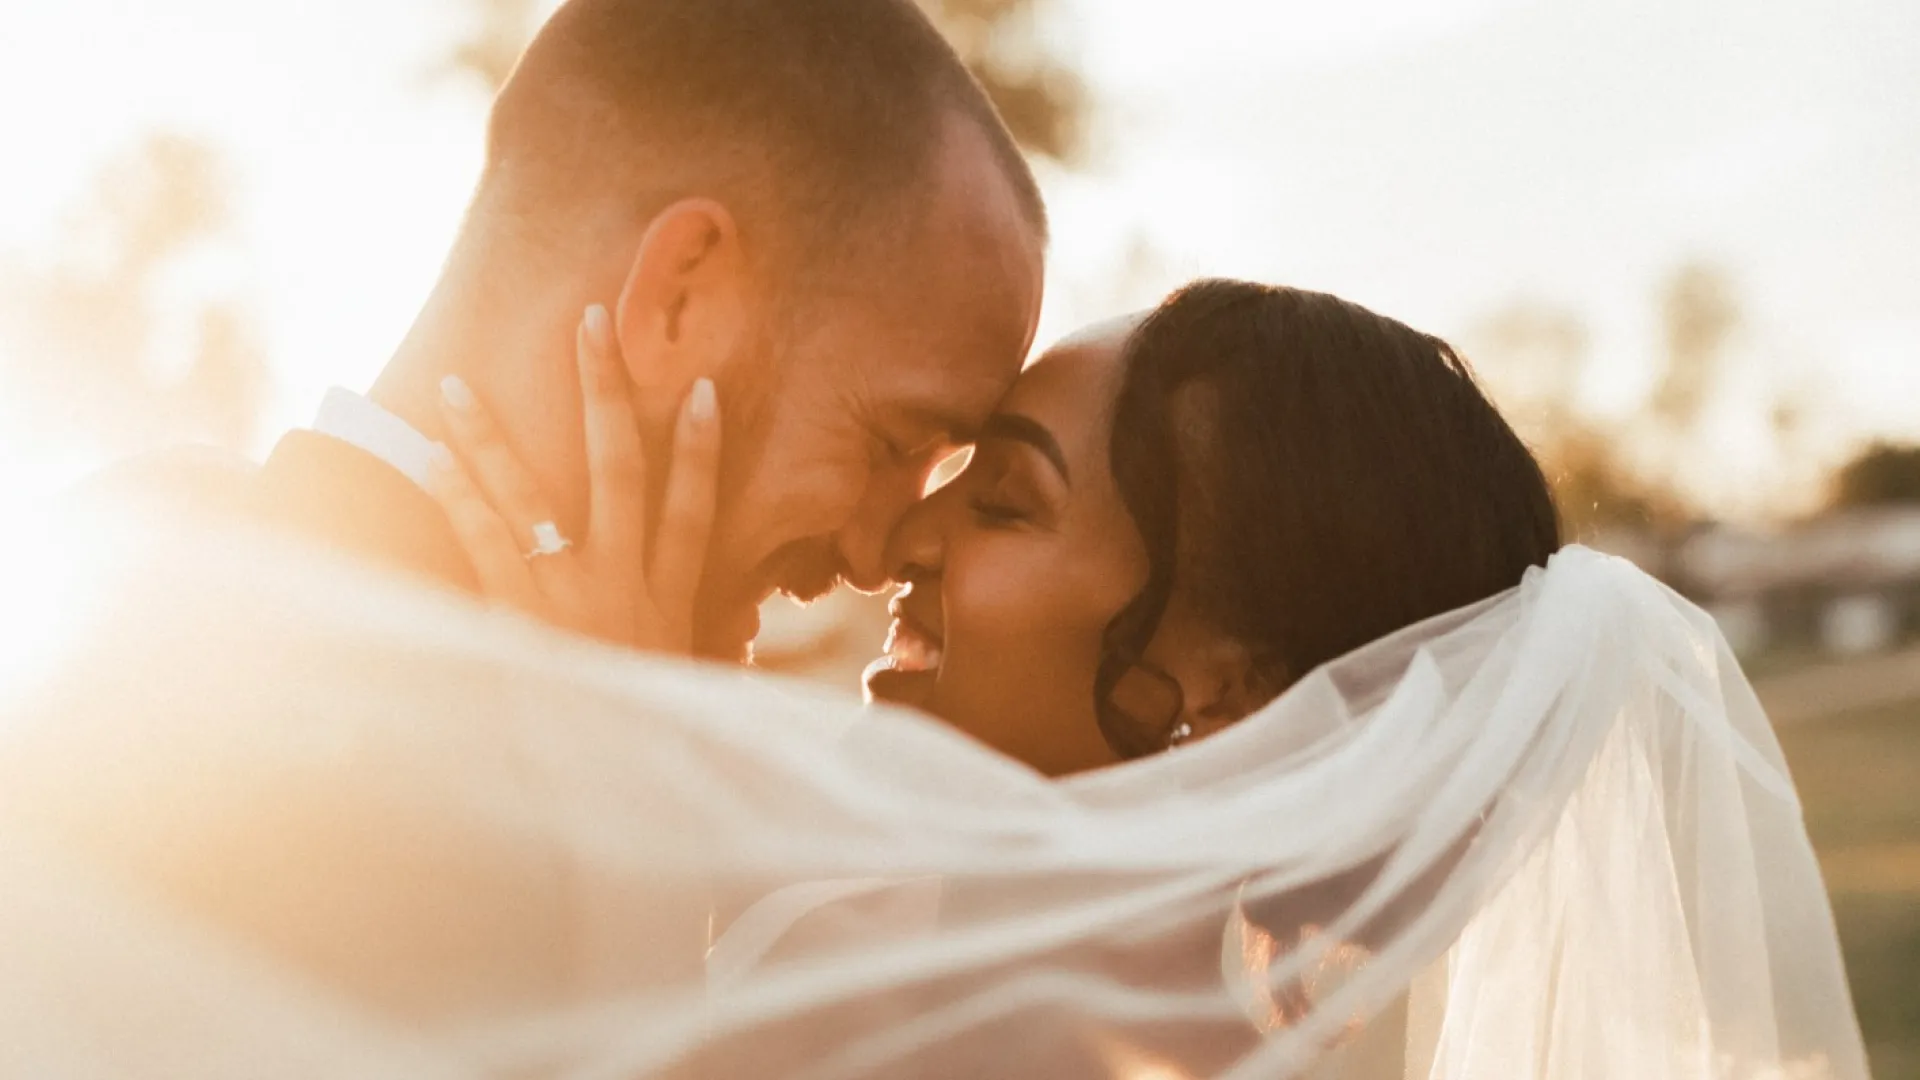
[[262, 813]]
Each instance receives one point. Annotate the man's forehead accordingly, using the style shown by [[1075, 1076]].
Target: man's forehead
[[968, 281], [958, 397], [956, 405], [951, 382]]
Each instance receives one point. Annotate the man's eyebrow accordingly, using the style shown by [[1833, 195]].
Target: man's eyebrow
[[1016, 428]]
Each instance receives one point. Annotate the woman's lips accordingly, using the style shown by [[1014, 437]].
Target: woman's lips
[[910, 648], [907, 673]]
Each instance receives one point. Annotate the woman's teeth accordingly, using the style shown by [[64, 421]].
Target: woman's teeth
[[911, 652]]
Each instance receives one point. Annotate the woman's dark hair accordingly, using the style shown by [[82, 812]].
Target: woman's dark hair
[[1310, 476]]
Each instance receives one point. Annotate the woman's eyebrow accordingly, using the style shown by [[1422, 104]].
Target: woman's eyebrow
[[1022, 429]]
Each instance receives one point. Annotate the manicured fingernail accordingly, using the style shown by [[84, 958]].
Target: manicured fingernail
[[455, 391], [599, 328], [700, 404]]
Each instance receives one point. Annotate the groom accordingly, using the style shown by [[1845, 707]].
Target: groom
[[810, 202]]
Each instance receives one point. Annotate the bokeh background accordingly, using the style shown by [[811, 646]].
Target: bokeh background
[[1680, 239]]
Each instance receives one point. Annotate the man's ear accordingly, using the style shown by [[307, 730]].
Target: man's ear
[[683, 309]]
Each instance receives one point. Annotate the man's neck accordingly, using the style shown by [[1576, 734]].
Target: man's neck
[[519, 363]]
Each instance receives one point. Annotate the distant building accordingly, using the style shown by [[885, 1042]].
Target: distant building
[[1844, 584]]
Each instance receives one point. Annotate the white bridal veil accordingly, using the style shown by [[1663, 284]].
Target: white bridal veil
[[262, 814]]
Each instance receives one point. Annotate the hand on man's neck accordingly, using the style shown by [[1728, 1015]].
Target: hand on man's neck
[[519, 360], [505, 318]]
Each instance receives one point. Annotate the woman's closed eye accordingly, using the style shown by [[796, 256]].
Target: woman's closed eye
[[999, 495], [995, 514]]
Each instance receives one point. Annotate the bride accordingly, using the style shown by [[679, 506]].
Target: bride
[[1244, 717], [1167, 521], [1530, 821]]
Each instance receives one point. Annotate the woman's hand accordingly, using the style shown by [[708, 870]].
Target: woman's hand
[[606, 584]]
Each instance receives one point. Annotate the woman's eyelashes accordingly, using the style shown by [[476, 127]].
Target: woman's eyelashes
[[995, 515], [999, 497]]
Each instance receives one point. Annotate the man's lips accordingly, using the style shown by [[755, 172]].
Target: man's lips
[[746, 624], [741, 624], [731, 636]]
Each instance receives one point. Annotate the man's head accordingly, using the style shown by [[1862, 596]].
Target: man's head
[[809, 201]]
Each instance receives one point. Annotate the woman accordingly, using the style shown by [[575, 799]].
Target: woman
[[1168, 521], [1435, 812], [1295, 532]]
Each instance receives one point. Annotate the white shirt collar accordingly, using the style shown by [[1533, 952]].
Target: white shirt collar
[[354, 420]]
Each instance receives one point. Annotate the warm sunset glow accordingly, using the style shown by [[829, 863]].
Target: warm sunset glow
[[47, 594], [570, 637], [1424, 158]]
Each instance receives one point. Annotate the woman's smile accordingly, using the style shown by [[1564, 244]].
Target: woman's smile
[[913, 652], [910, 644]]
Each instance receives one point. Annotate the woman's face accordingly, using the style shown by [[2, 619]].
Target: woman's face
[[1015, 568]]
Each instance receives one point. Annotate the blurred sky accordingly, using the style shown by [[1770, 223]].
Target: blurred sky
[[1433, 159]]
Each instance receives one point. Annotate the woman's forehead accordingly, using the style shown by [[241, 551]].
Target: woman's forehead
[[1069, 388], [1070, 372], [1076, 361]]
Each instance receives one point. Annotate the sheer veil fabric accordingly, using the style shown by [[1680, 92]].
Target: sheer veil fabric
[[266, 813]]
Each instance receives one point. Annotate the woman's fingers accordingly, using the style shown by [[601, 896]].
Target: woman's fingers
[[616, 462], [507, 484], [484, 534], [615, 585], [686, 516]]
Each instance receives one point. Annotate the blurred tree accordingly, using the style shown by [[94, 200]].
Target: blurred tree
[[1598, 492], [500, 30], [1534, 357], [1004, 43], [116, 350], [1705, 359], [1698, 315], [1884, 474], [1667, 463]]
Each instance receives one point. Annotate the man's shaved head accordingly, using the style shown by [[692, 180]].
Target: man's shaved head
[[810, 203], [818, 122]]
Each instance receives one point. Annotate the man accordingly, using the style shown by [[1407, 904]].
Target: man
[[809, 202]]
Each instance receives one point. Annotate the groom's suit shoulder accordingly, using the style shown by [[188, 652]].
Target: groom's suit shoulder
[[195, 478], [350, 500], [313, 486]]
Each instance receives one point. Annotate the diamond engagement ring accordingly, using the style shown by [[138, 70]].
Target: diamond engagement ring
[[547, 541]]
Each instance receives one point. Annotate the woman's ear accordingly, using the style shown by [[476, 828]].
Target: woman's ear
[[1220, 684], [683, 310]]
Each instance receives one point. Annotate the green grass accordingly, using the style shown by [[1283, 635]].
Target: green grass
[[1859, 779]]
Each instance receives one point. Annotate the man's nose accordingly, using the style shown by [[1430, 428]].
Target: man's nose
[[918, 548], [863, 543]]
